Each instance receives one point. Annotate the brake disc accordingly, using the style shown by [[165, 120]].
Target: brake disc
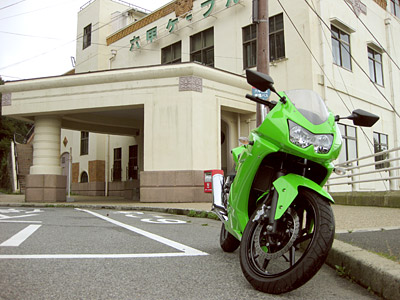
[[261, 234]]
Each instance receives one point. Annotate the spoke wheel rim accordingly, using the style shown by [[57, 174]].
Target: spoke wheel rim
[[260, 260]]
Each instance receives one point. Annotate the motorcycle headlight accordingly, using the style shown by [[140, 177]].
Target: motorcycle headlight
[[303, 138]]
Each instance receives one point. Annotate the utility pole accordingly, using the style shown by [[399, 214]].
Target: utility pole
[[261, 18]]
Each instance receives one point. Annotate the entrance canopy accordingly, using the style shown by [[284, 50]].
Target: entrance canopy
[[176, 109], [110, 101]]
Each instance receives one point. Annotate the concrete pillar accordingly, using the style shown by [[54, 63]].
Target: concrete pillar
[[45, 182], [46, 146]]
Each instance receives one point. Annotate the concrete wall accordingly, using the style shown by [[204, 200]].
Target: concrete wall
[[173, 186], [99, 14]]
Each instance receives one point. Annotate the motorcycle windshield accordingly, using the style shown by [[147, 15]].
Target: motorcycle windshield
[[310, 105]]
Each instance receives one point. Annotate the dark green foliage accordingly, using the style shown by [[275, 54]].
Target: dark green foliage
[[8, 127]]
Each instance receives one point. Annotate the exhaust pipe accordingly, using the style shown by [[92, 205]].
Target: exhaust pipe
[[217, 193]]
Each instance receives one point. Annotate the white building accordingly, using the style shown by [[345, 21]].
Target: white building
[[163, 120]]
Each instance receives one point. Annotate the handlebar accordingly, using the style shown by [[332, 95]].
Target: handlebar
[[269, 104]]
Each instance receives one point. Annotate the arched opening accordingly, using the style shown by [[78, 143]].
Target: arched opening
[[84, 177]]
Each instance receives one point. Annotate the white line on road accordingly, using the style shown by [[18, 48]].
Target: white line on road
[[186, 249], [30, 222], [20, 237], [90, 256], [4, 217]]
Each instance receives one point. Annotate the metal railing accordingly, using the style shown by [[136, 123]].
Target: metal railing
[[119, 1], [380, 171], [21, 139], [15, 174]]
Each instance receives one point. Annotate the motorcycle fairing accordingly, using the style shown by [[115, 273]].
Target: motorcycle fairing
[[288, 188], [273, 136], [238, 197], [236, 153]]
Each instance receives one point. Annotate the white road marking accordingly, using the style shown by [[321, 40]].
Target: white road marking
[[13, 211], [186, 249], [3, 217], [91, 256], [131, 216], [20, 237], [163, 221], [9, 211], [129, 212], [31, 222]]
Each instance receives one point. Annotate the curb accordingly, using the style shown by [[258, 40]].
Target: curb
[[370, 270], [377, 199], [380, 275]]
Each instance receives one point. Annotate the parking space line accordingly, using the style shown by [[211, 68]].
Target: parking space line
[[183, 249], [3, 217], [20, 237], [91, 256], [186, 249], [30, 222]]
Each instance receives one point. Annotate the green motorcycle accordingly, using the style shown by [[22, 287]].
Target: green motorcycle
[[275, 207]]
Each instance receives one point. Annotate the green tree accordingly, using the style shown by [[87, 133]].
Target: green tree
[[8, 127]]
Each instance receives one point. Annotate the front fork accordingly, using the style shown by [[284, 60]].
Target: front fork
[[220, 193], [271, 209], [274, 205]]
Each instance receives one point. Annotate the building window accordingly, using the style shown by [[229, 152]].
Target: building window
[[375, 66], [349, 137], [133, 162], [117, 167], [249, 46], [202, 47], [341, 48], [395, 7], [171, 54], [276, 38], [84, 177], [84, 142], [381, 144], [87, 36]]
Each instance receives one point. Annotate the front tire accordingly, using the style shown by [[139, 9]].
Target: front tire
[[280, 262], [227, 241]]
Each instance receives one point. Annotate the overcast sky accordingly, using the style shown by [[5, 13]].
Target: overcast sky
[[37, 37]]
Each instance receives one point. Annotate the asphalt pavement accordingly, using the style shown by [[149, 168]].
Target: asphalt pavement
[[366, 247], [124, 254], [385, 242]]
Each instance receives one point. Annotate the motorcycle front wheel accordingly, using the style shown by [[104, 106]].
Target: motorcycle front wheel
[[281, 261]]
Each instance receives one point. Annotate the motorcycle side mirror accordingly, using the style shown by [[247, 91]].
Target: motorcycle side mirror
[[361, 118], [260, 80]]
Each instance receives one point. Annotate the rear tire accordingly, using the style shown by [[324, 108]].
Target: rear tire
[[280, 262], [227, 241]]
